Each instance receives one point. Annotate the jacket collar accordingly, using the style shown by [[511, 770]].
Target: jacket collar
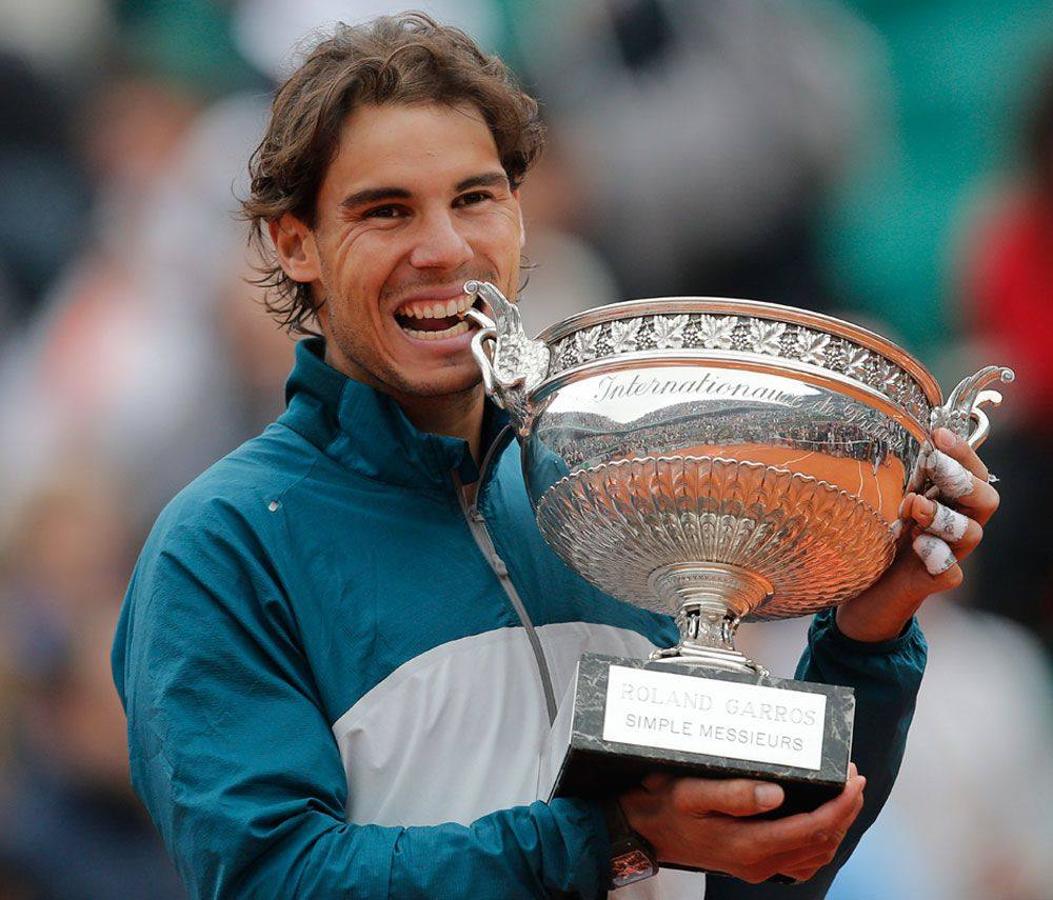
[[368, 432]]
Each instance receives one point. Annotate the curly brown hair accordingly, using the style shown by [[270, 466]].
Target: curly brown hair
[[407, 59]]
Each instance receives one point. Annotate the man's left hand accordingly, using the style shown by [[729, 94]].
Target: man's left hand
[[943, 532]]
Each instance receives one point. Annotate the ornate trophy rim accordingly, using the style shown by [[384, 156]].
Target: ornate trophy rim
[[629, 309]]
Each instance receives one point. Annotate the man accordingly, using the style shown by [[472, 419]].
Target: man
[[344, 644]]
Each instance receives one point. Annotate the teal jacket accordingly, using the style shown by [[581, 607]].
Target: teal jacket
[[339, 679]]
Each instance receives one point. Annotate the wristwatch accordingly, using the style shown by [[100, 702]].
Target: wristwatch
[[632, 856]]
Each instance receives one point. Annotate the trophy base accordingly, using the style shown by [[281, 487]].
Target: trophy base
[[631, 717]]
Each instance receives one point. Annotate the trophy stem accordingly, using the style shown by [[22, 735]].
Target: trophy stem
[[710, 600]]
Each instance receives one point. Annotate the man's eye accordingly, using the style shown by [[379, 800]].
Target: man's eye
[[385, 212], [473, 197]]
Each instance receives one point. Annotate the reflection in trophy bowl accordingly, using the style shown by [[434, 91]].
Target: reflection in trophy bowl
[[808, 543], [719, 459]]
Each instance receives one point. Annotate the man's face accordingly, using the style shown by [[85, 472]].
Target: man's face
[[414, 204]]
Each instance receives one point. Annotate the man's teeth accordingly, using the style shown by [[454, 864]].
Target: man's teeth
[[455, 307], [452, 331]]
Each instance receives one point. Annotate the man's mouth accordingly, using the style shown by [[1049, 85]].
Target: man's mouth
[[434, 320]]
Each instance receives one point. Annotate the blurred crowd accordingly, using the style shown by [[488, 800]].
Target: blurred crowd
[[887, 161]]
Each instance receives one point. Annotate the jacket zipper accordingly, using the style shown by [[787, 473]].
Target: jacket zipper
[[477, 525]]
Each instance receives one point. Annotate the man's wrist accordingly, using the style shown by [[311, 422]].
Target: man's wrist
[[866, 630], [850, 633], [633, 858]]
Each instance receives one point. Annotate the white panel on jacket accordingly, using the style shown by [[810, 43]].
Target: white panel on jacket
[[458, 732]]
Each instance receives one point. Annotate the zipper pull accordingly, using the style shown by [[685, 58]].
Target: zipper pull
[[489, 550], [499, 566]]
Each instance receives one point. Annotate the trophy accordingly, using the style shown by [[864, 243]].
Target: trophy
[[720, 461]]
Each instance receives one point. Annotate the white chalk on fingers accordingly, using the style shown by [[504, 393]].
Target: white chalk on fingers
[[934, 553], [949, 475], [948, 524]]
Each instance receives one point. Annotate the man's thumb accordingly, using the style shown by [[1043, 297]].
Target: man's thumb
[[737, 796]]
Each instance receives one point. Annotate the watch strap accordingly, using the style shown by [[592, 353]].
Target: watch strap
[[632, 856]]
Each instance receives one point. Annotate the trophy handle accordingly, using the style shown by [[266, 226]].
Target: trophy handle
[[510, 362], [962, 412]]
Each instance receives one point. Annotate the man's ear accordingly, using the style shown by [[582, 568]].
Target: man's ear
[[296, 248]]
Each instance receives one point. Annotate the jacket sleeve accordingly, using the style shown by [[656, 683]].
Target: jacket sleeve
[[886, 677], [237, 765]]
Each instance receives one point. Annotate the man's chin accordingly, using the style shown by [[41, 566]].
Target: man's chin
[[460, 391], [446, 384]]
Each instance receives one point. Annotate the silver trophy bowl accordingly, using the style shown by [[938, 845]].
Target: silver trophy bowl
[[719, 460]]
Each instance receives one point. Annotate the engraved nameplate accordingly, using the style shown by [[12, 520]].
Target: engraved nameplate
[[652, 708]]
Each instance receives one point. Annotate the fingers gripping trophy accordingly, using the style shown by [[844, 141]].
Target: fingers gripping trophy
[[721, 461]]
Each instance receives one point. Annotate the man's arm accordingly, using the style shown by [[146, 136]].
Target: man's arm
[[873, 643], [886, 678], [240, 771]]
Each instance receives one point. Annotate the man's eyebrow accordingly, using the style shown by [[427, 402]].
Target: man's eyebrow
[[374, 195], [487, 179]]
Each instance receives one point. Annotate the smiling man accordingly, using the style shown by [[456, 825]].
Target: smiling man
[[414, 204], [343, 646]]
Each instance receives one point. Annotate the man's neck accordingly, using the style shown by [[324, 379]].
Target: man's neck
[[456, 415]]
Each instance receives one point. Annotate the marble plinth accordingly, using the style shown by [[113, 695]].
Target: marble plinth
[[631, 717]]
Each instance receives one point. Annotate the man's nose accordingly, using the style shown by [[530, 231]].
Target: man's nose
[[441, 244]]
